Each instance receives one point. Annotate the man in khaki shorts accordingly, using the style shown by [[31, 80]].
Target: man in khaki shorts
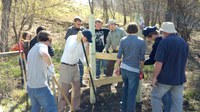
[[69, 71]]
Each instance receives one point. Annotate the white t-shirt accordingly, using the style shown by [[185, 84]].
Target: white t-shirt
[[73, 51], [37, 68]]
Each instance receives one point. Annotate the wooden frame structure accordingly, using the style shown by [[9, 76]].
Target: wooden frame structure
[[107, 56]]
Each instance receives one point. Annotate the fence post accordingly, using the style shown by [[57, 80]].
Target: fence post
[[92, 56]]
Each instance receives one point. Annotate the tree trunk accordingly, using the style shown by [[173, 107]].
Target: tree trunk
[[105, 10], [124, 12], [6, 9], [146, 8], [169, 12]]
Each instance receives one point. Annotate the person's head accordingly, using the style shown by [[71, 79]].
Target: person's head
[[167, 28], [150, 32], [111, 24], [87, 36], [98, 24], [26, 36], [132, 28], [40, 28], [44, 37], [77, 22]]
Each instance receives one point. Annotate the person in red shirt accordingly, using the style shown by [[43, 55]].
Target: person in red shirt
[[20, 46]]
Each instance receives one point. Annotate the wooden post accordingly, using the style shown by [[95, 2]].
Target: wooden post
[[92, 56], [139, 92]]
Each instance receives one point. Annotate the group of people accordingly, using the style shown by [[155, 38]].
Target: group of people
[[169, 56]]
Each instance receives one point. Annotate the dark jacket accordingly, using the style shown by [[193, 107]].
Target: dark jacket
[[73, 31], [151, 60], [50, 48]]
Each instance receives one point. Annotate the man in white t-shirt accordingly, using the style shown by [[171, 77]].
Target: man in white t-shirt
[[39, 67], [69, 72]]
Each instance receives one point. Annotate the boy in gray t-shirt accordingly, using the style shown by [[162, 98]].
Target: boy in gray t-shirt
[[39, 63]]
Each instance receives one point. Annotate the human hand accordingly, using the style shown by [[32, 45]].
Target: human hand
[[154, 82], [88, 68], [51, 71], [117, 48], [141, 75], [104, 51], [117, 71], [79, 36], [110, 50]]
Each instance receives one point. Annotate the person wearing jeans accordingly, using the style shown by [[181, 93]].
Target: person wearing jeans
[[100, 42], [100, 62], [42, 96], [40, 67], [169, 71], [132, 51], [151, 33]]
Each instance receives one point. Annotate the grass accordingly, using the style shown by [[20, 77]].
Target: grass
[[13, 99]]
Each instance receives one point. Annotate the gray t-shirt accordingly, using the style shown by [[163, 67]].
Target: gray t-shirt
[[37, 68]]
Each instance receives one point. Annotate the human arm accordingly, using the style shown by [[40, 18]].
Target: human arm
[[119, 56], [15, 47], [157, 69], [68, 33], [72, 43], [142, 56], [108, 43], [160, 58], [47, 59], [151, 60], [51, 51]]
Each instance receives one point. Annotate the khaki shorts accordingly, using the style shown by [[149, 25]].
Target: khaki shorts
[[69, 73]]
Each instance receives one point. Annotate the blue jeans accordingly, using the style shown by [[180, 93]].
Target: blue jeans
[[100, 62], [81, 70], [176, 96], [130, 87], [42, 97], [167, 102]]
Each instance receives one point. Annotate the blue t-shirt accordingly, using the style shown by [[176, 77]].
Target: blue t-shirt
[[172, 52]]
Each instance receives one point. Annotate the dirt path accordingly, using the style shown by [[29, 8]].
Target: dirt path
[[109, 101]]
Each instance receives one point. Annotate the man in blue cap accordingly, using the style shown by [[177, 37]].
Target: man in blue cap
[[153, 35], [69, 71]]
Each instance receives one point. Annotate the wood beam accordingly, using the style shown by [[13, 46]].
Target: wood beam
[[107, 80]]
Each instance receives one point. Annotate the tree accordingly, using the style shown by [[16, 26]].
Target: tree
[[25, 18], [105, 10], [170, 9], [6, 9], [185, 16]]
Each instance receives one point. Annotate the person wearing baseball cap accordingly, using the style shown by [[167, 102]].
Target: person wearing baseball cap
[[69, 71], [152, 34], [113, 41], [169, 70]]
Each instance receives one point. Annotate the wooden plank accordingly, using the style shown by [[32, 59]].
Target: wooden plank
[[12, 53], [110, 56], [106, 56], [107, 80]]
